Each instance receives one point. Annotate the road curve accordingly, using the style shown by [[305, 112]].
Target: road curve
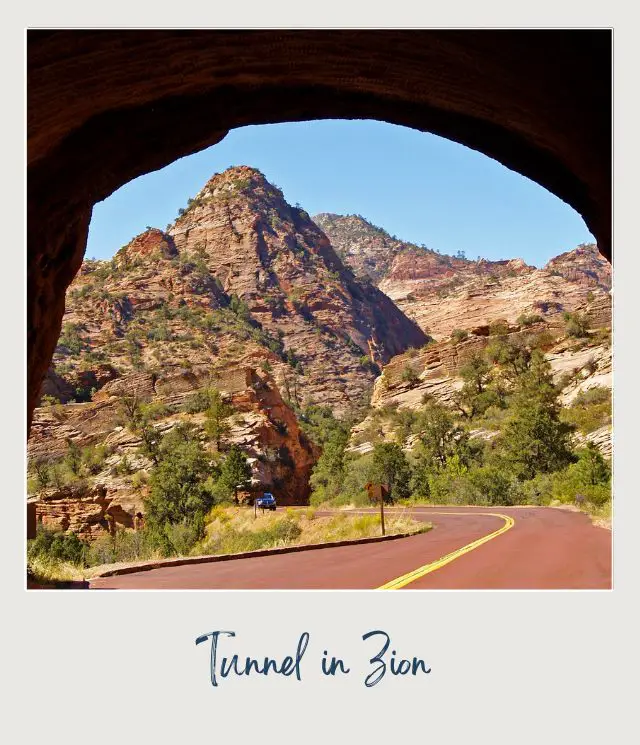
[[545, 548]]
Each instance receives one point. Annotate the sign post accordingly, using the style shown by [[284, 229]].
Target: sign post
[[382, 509]]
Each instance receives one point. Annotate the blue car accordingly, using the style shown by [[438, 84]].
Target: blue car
[[267, 501]]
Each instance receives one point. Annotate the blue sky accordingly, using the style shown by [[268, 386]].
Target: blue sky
[[418, 186]]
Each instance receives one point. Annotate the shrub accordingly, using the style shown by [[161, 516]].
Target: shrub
[[589, 410], [494, 486], [71, 340], [576, 324], [367, 364], [57, 546], [589, 478], [239, 307], [459, 335], [529, 320], [140, 480], [160, 332], [293, 360], [543, 341], [410, 375], [499, 327]]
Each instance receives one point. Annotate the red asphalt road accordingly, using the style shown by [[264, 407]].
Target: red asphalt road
[[546, 549]]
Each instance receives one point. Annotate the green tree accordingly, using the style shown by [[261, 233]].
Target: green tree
[[328, 473], [535, 383], [235, 472], [494, 485], [576, 324], [535, 441], [459, 335], [410, 375], [439, 434], [421, 472], [476, 373], [151, 440], [390, 467], [591, 469], [129, 406], [513, 358], [178, 493], [43, 472], [216, 415], [73, 458]]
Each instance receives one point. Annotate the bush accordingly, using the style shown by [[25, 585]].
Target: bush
[[588, 478], [529, 320], [410, 375], [71, 340], [459, 335], [590, 409], [57, 546], [197, 402], [499, 327], [368, 364], [494, 486], [576, 324], [160, 332], [543, 341]]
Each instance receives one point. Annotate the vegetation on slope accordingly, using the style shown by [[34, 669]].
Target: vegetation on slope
[[508, 441]]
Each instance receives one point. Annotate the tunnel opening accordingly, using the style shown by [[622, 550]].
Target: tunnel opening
[[244, 276], [269, 331]]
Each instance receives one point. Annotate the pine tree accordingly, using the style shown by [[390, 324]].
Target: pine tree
[[235, 472], [216, 415]]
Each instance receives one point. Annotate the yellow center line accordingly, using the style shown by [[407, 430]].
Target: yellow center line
[[405, 579]]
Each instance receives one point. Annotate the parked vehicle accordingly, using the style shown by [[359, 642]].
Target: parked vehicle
[[266, 502]]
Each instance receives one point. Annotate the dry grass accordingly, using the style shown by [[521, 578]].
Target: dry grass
[[236, 529], [47, 571]]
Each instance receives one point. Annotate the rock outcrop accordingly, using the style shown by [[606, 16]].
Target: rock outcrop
[[442, 293], [576, 367], [276, 260]]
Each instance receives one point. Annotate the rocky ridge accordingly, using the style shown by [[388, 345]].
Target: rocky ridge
[[419, 279]]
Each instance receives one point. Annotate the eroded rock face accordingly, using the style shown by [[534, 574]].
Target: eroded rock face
[[262, 425], [275, 259], [89, 511], [442, 293]]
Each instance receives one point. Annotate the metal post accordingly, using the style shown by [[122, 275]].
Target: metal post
[[382, 509]]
